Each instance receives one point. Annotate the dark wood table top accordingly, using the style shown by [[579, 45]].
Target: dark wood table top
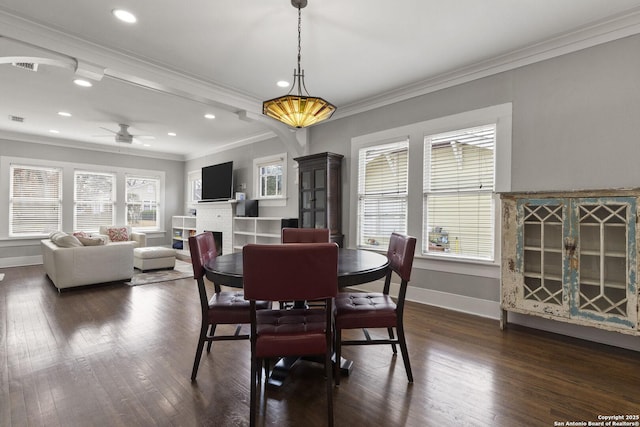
[[355, 266]]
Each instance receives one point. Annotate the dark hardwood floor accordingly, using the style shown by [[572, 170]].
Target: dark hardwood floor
[[121, 356]]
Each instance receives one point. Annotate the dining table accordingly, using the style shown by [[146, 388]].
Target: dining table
[[355, 267]]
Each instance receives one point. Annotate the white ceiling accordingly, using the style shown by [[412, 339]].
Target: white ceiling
[[183, 59]]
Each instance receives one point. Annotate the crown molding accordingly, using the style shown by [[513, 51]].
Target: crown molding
[[617, 27]]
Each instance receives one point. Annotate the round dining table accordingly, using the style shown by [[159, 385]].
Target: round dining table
[[355, 267]]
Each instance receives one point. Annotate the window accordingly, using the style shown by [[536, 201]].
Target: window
[[142, 200], [458, 201], [94, 200], [35, 200], [271, 177], [195, 186], [382, 193]]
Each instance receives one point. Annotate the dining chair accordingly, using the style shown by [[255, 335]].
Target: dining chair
[[223, 308], [290, 272], [358, 310], [305, 235]]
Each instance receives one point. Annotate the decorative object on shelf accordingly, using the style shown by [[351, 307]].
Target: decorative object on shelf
[[298, 110]]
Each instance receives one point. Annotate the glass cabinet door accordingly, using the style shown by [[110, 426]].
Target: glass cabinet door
[[542, 258], [606, 271]]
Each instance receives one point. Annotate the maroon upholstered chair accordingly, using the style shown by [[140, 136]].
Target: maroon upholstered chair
[[227, 307], [360, 310], [290, 272], [305, 235]]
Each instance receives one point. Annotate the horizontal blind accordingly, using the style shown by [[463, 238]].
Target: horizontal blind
[[94, 200], [459, 177], [35, 200], [142, 198], [382, 193]]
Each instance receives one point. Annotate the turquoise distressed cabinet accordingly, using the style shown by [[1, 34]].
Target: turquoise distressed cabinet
[[571, 257]]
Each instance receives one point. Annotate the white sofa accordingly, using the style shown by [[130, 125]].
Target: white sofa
[[87, 265], [74, 266]]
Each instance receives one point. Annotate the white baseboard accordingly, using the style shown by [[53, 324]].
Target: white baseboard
[[464, 304], [20, 261]]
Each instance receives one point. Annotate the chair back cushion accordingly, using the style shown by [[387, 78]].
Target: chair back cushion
[[297, 271], [203, 249], [400, 254], [305, 235]]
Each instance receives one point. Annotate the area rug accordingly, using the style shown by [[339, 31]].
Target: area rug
[[182, 270]]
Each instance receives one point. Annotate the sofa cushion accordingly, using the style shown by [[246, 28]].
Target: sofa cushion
[[118, 234], [91, 241], [65, 240]]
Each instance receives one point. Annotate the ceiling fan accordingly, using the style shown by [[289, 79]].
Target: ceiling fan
[[123, 135]]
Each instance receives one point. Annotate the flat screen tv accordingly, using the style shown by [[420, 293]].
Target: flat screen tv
[[217, 182]]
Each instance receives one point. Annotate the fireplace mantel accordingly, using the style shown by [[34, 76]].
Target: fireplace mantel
[[217, 216]]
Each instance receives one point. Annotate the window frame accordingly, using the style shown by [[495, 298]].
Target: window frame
[[68, 169], [416, 132], [429, 192], [13, 198], [75, 198], [280, 159], [141, 203], [401, 144]]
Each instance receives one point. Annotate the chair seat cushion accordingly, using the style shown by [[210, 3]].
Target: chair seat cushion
[[290, 332], [230, 307], [364, 310]]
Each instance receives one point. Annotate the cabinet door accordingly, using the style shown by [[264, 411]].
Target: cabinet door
[[604, 287], [313, 197], [542, 231]]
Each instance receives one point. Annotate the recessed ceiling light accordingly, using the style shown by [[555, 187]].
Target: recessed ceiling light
[[54, 131], [82, 82], [124, 16], [209, 116], [146, 145], [283, 83], [64, 114], [172, 134]]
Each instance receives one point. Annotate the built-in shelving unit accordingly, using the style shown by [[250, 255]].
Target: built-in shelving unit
[[261, 230], [181, 228]]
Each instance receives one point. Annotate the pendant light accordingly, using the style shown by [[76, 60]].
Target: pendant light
[[298, 109]]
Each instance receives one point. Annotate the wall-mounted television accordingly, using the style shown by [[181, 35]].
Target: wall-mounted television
[[217, 182]]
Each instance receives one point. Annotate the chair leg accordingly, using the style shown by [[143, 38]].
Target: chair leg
[[254, 392], [196, 362], [391, 337], [212, 332], [337, 350], [405, 352], [328, 370]]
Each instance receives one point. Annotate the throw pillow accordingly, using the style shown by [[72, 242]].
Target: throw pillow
[[90, 241], [118, 234], [65, 240], [80, 234]]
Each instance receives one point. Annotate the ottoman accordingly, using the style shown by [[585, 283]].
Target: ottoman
[[153, 258]]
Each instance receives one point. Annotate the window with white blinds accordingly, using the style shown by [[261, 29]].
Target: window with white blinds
[[458, 202], [94, 200], [142, 199], [382, 193], [35, 200]]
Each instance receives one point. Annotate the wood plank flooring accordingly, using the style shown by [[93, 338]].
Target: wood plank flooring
[[121, 356]]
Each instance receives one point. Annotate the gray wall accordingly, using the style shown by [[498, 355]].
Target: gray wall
[[575, 126]]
